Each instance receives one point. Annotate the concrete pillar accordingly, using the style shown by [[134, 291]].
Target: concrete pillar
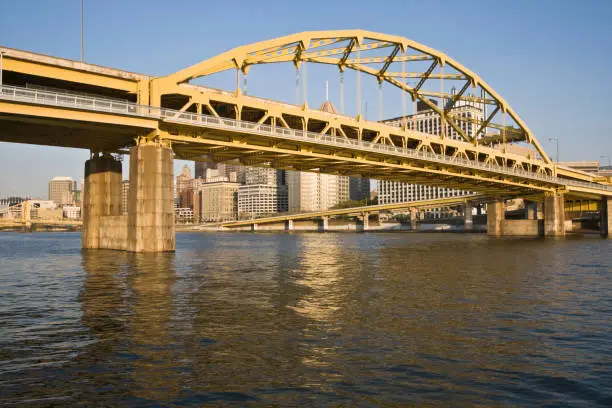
[[467, 214], [366, 221], [605, 217], [495, 218], [151, 200], [101, 196], [289, 225], [531, 210], [413, 219], [323, 224], [540, 210], [554, 215], [254, 227]]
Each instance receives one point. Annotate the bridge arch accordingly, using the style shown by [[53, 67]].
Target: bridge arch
[[381, 56]]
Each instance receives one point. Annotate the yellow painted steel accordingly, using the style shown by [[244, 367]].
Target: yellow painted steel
[[109, 131], [438, 202], [306, 47]]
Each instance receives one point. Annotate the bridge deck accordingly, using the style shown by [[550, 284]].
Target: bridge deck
[[438, 202], [195, 135]]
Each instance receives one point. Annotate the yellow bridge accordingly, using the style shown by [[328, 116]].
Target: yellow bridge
[[363, 211], [51, 101]]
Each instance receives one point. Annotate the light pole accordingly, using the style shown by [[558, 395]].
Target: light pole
[[1, 57], [556, 140], [82, 29], [606, 157]]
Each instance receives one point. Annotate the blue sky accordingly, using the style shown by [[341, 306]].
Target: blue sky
[[550, 60]]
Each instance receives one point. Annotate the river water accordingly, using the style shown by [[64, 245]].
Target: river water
[[376, 319]]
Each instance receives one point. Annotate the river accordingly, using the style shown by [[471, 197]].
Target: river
[[307, 319]]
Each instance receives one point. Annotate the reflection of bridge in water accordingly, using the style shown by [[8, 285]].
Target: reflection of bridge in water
[[52, 101]]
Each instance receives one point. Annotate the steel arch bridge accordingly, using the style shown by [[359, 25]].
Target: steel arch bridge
[[470, 139], [388, 59]]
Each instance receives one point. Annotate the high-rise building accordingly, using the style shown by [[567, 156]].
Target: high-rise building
[[359, 188], [125, 194], [316, 191], [255, 200], [428, 121], [201, 166], [61, 190], [217, 201], [233, 170], [183, 182], [264, 193]]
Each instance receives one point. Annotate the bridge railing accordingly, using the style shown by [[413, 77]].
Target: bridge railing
[[67, 100], [43, 97], [318, 138]]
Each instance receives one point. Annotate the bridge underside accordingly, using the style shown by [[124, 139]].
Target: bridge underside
[[193, 144], [55, 102]]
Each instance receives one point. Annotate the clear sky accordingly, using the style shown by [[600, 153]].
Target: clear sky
[[550, 59]]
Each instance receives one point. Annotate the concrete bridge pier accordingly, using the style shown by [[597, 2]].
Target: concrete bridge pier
[[554, 215], [323, 224], [150, 220], [289, 225], [101, 196], [254, 227], [495, 218], [605, 217], [467, 214], [413, 219]]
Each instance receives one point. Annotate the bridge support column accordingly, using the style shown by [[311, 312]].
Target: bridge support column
[[323, 224], [366, 221], [467, 214], [254, 227], [531, 210], [554, 215], [413, 219], [150, 206], [101, 196], [495, 218], [289, 225], [605, 217]]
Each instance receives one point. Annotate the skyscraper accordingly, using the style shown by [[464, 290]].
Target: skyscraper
[[201, 166], [359, 188], [428, 121], [315, 191], [263, 193], [61, 190]]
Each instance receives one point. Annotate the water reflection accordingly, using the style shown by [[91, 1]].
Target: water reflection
[[307, 319]]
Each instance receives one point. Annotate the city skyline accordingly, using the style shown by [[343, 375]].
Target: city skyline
[[526, 77]]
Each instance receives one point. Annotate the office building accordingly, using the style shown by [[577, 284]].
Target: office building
[[202, 166], [359, 188], [61, 190], [217, 201], [264, 192], [256, 200], [316, 191], [428, 121]]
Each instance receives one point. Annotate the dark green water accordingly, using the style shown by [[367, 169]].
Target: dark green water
[[307, 320]]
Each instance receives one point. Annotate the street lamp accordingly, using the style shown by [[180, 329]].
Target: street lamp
[[82, 30], [1, 57], [556, 140], [606, 157]]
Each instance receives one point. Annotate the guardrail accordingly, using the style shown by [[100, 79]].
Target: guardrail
[[171, 115]]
